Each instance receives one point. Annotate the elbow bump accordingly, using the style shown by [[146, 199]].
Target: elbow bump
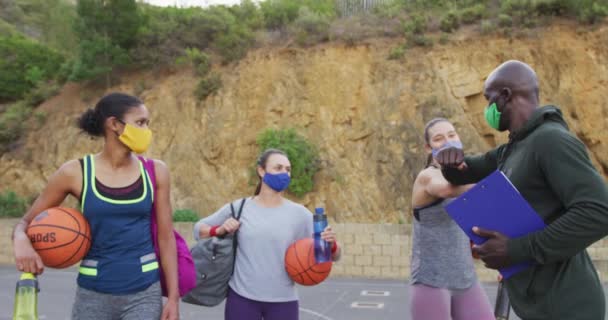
[[445, 193]]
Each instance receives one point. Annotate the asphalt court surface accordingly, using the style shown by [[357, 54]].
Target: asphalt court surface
[[334, 299]]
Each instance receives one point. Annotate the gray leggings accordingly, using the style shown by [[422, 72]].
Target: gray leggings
[[143, 305]]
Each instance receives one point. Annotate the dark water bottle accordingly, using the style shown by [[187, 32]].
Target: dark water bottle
[[322, 248], [26, 298], [503, 304]]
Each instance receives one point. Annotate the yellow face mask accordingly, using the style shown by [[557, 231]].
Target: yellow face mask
[[137, 139]]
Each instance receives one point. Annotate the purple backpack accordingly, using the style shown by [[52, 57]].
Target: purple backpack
[[186, 272]]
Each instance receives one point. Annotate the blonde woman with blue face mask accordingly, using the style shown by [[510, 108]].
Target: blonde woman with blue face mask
[[119, 277], [260, 287]]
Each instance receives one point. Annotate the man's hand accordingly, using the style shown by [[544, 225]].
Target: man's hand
[[494, 251], [451, 157]]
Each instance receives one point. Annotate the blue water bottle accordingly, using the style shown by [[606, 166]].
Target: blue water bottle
[[322, 248]]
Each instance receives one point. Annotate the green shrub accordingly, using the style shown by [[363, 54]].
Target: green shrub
[[106, 31], [34, 75], [23, 65], [97, 56], [162, 37], [487, 26], [11, 205], [12, 124], [531, 9], [593, 13], [416, 24], [419, 40], [519, 10], [208, 86], [49, 21], [444, 38], [185, 215], [234, 44], [13, 119], [504, 20], [311, 27], [529, 13], [198, 60], [168, 31], [449, 22], [397, 52], [42, 92], [279, 13], [302, 154], [389, 9], [472, 14], [7, 29], [196, 57], [118, 21], [249, 14], [516, 6], [552, 7]]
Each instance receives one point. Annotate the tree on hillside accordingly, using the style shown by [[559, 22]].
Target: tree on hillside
[[106, 30], [24, 63], [49, 21]]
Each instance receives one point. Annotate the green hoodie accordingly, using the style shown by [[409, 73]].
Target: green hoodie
[[551, 169]]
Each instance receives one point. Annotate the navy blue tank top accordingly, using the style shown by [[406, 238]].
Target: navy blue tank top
[[121, 259]]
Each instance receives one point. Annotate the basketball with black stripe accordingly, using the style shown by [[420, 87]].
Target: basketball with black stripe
[[61, 236], [301, 266]]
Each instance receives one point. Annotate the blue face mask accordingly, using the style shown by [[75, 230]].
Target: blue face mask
[[449, 144], [278, 182]]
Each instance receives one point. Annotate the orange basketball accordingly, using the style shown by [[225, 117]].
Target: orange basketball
[[301, 265], [61, 236]]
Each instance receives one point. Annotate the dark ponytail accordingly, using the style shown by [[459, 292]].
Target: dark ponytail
[[112, 105], [427, 138], [261, 162], [89, 122]]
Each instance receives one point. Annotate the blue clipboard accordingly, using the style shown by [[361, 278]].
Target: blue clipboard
[[495, 204]]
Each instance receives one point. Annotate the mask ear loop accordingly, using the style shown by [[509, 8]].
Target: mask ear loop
[[124, 123], [508, 95]]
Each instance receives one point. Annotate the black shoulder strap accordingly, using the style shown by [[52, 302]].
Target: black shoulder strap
[[235, 237], [237, 216]]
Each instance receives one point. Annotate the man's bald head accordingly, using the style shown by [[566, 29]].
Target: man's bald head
[[515, 75], [513, 89]]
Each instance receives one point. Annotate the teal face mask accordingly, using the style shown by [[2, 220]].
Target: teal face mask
[[492, 116]]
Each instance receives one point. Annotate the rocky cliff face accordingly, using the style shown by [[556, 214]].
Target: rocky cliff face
[[366, 114]]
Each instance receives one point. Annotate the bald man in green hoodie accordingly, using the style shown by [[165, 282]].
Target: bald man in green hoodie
[[551, 169]]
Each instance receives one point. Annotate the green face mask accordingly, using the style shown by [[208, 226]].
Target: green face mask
[[492, 116]]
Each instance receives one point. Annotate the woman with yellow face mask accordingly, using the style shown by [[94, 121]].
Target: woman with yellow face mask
[[119, 277]]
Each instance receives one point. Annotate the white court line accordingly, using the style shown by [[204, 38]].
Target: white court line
[[336, 301], [316, 314], [367, 305], [367, 284], [375, 293]]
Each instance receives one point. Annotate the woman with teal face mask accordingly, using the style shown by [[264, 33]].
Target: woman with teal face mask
[[260, 287], [443, 279], [119, 276]]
